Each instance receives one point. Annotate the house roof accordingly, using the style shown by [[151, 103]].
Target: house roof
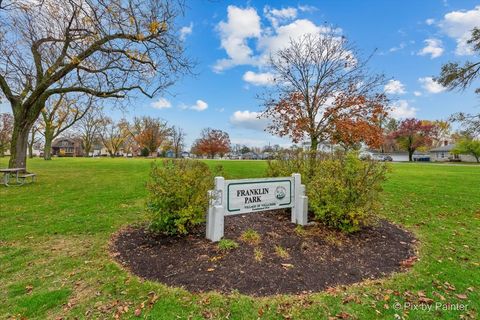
[[446, 148]]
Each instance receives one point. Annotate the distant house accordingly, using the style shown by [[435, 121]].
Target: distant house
[[397, 156], [170, 154], [250, 156], [185, 154], [67, 147], [233, 156], [444, 153]]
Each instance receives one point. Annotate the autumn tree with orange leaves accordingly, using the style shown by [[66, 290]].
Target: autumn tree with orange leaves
[[211, 143], [324, 92], [413, 134], [150, 133]]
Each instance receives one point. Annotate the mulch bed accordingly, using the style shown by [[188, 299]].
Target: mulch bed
[[318, 258]]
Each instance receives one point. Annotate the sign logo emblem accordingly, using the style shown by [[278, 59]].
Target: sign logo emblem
[[280, 192]]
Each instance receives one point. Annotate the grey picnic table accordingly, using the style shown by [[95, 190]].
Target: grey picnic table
[[20, 175]]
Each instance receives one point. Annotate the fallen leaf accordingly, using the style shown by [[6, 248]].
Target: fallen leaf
[[331, 290], [449, 286], [343, 315], [461, 296], [138, 312], [287, 265], [442, 298], [408, 263], [351, 298], [425, 300]]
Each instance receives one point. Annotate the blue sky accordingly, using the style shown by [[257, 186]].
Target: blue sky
[[229, 39]]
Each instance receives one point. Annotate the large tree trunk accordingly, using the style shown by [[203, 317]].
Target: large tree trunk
[[47, 149], [410, 155], [30, 150], [19, 145], [313, 144], [87, 147]]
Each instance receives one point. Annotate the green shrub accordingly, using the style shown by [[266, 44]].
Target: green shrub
[[343, 191], [294, 161], [144, 152], [177, 195], [227, 245]]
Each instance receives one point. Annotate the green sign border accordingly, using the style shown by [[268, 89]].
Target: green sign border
[[252, 182]]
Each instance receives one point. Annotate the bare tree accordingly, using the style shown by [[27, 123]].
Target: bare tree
[[61, 112], [177, 139], [321, 87], [89, 128], [33, 139], [103, 48], [112, 136]]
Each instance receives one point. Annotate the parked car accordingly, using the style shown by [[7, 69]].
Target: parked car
[[382, 157], [373, 156]]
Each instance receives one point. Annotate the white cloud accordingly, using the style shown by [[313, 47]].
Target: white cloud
[[400, 47], [431, 85], [401, 109], [249, 120], [200, 105], [458, 25], [394, 87], [433, 47], [283, 34], [430, 21], [279, 15], [258, 79], [161, 103], [241, 25], [186, 31], [307, 8], [247, 43], [417, 93]]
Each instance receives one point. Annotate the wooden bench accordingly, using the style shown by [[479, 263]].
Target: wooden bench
[[22, 177]]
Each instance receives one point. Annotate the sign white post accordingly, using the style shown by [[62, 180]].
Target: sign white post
[[300, 208], [216, 211], [232, 197]]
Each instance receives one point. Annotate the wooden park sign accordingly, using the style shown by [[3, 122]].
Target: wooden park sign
[[232, 197]]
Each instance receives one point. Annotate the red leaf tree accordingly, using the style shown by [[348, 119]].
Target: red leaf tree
[[413, 134], [211, 143]]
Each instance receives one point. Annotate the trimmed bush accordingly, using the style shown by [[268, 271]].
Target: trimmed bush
[[343, 191], [177, 195]]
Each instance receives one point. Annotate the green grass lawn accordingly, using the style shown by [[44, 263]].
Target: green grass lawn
[[54, 259]]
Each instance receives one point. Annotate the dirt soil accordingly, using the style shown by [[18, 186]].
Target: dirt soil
[[286, 260]]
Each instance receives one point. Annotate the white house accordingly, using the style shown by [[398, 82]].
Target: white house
[[444, 153]]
